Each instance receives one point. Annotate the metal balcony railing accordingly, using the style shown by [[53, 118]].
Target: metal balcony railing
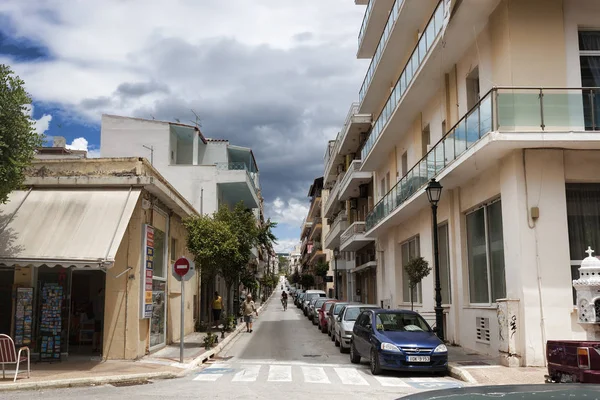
[[333, 193], [385, 35], [354, 229], [237, 166], [365, 21], [504, 110], [425, 43], [354, 167]]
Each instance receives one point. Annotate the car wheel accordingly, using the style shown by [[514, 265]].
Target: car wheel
[[332, 336], [337, 343], [354, 356], [343, 349], [375, 367]]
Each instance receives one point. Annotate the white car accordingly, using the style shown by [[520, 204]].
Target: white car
[[344, 324]]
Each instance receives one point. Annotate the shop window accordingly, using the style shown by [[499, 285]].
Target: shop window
[[410, 250], [583, 216], [159, 254], [485, 246]]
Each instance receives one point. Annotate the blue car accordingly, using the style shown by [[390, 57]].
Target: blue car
[[397, 340]]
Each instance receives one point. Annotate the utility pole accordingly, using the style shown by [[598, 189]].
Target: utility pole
[[151, 148]]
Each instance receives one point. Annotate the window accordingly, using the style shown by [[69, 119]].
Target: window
[[485, 246], [382, 190], [173, 249], [583, 216], [404, 163], [473, 91], [410, 250], [589, 59], [159, 254], [444, 258], [425, 140]]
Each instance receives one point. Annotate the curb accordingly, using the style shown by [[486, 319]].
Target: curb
[[74, 382], [201, 359], [460, 374], [133, 378]]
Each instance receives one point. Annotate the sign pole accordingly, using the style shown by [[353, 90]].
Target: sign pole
[[182, 334]]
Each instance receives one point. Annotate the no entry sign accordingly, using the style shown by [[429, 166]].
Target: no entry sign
[[181, 266]]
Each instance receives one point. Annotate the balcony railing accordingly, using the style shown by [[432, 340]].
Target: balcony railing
[[365, 21], [389, 25], [426, 41], [354, 229], [501, 109], [341, 217], [333, 193], [333, 150], [237, 166], [354, 167]]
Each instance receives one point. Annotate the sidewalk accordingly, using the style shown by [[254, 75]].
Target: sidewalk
[[88, 371], [480, 369]]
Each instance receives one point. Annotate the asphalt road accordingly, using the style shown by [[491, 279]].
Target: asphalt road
[[285, 357]]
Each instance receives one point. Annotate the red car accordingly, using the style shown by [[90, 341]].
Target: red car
[[322, 325], [573, 361]]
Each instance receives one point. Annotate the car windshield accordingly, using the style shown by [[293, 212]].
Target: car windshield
[[401, 322], [352, 313], [319, 303], [337, 308]]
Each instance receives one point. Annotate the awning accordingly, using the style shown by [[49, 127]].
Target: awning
[[365, 266], [67, 227]]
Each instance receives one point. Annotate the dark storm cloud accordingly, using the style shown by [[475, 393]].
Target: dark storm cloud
[[284, 104], [141, 88]]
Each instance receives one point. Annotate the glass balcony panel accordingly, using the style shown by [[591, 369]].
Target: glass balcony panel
[[422, 47], [439, 157], [408, 73], [449, 148], [439, 18], [423, 173], [460, 138], [472, 127], [430, 34], [415, 62], [519, 110], [430, 160], [564, 109], [402, 83], [485, 115]]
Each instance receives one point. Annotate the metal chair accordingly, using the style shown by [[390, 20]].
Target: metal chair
[[9, 355]]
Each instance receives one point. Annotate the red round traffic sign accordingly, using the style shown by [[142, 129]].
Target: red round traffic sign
[[181, 266]]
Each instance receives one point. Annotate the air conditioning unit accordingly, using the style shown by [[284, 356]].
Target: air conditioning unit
[[353, 204]]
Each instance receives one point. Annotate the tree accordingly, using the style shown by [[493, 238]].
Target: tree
[[266, 238], [416, 269], [283, 265], [295, 278], [322, 268], [18, 138], [307, 281]]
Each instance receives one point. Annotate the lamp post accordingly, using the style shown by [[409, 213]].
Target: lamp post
[[336, 253], [434, 192]]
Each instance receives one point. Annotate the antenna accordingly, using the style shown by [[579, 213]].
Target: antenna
[[198, 119], [151, 148], [177, 120]]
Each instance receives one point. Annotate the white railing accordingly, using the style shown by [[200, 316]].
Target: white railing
[[332, 151], [365, 21], [354, 167], [354, 229], [333, 193]]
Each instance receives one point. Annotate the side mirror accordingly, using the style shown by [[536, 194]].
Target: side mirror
[[339, 318], [368, 326]]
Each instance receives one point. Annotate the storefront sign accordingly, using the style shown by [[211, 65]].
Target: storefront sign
[[148, 266]]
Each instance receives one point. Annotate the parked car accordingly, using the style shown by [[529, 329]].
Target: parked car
[[332, 314], [398, 340], [323, 314], [573, 361], [310, 294], [300, 299], [315, 309], [345, 322]]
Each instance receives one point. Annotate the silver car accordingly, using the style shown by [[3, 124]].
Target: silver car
[[315, 309], [344, 324], [308, 297], [332, 314], [311, 306]]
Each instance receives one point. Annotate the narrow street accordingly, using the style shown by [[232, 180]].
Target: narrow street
[[285, 357]]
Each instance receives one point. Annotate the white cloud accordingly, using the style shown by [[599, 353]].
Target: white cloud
[[290, 212], [81, 143], [41, 125], [286, 245]]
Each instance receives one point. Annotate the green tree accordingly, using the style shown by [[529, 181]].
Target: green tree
[[416, 269], [307, 281], [322, 268], [18, 138], [295, 277]]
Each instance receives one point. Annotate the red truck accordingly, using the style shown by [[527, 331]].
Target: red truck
[[573, 361]]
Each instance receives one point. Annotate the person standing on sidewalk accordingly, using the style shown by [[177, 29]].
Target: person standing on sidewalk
[[248, 307], [217, 306]]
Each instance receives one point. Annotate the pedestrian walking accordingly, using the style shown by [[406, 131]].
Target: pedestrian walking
[[248, 308], [217, 306]]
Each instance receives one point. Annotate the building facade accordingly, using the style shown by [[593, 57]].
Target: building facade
[[498, 100], [87, 249]]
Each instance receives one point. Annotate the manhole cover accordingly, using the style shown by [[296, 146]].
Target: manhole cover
[[311, 355], [130, 383], [473, 363]]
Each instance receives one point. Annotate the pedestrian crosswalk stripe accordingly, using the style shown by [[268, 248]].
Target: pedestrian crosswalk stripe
[[280, 373], [208, 377], [350, 376], [249, 373], [315, 375], [390, 381]]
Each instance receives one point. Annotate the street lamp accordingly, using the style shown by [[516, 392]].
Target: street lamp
[[434, 192], [336, 253]]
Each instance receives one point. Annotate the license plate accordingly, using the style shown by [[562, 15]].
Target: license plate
[[417, 358]]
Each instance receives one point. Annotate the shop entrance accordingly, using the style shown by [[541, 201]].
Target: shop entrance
[[6, 283], [86, 312]]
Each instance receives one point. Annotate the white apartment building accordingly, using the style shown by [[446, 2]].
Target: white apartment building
[[498, 100]]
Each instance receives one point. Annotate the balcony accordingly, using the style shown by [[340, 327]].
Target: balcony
[[306, 227], [236, 183], [404, 19], [355, 125], [332, 240], [333, 204], [354, 177], [376, 15], [361, 2], [504, 120], [317, 227], [354, 238], [421, 79], [316, 253]]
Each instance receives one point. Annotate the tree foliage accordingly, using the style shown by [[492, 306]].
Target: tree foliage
[[295, 277], [266, 237], [18, 138], [322, 268], [307, 280], [416, 269]]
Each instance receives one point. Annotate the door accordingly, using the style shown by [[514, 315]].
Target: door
[[6, 283]]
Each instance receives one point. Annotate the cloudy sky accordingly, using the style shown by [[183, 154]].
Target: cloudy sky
[[274, 75]]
